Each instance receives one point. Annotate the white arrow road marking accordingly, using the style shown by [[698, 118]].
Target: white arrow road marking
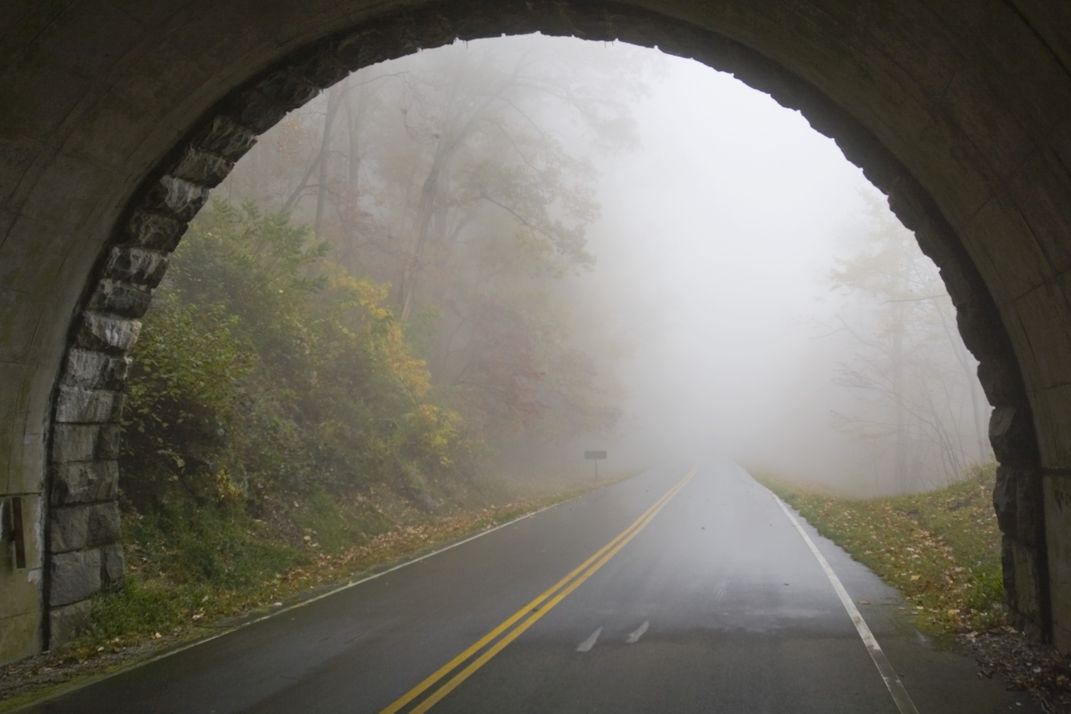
[[635, 635], [587, 644]]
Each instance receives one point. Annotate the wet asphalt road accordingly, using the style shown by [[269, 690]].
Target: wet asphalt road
[[713, 604]]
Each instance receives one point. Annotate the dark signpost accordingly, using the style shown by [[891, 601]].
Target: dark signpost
[[595, 456]]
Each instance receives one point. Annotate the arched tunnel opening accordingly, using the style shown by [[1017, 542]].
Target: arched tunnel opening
[[971, 155]]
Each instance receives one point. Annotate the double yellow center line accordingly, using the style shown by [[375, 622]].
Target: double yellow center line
[[525, 617]]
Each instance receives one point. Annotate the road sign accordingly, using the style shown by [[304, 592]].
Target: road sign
[[595, 456]]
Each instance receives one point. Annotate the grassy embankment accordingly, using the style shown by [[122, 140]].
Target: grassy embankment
[[195, 570], [940, 549], [192, 570]]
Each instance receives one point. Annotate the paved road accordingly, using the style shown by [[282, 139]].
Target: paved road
[[696, 595]]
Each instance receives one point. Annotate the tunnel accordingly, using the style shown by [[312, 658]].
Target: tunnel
[[118, 117]]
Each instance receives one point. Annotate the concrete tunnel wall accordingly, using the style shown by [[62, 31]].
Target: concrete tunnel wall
[[116, 117]]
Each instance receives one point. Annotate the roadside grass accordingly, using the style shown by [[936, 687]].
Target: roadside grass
[[194, 570], [186, 564], [940, 549], [185, 584]]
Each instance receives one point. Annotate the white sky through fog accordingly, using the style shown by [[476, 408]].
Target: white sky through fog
[[716, 239]]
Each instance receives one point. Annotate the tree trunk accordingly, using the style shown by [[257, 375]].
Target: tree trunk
[[898, 398], [334, 94], [425, 210]]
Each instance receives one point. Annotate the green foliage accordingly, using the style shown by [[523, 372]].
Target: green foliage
[[261, 269], [940, 549], [183, 397], [334, 525], [217, 546], [138, 610], [272, 393], [188, 559], [264, 367]]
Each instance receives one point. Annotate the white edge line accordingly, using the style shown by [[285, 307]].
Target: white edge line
[[885, 669], [288, 608]]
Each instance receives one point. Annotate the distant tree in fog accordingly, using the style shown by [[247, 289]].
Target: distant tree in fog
[[463, 177], [915, 381]]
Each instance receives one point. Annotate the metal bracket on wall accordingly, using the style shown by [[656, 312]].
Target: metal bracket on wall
[[11, 528]]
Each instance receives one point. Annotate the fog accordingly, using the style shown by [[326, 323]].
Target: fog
[[717, 242], [675, 266]]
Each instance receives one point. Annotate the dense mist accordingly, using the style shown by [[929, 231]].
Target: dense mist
[[596, 246]]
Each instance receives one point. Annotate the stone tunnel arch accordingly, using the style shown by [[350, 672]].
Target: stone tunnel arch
[[117, 121]]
